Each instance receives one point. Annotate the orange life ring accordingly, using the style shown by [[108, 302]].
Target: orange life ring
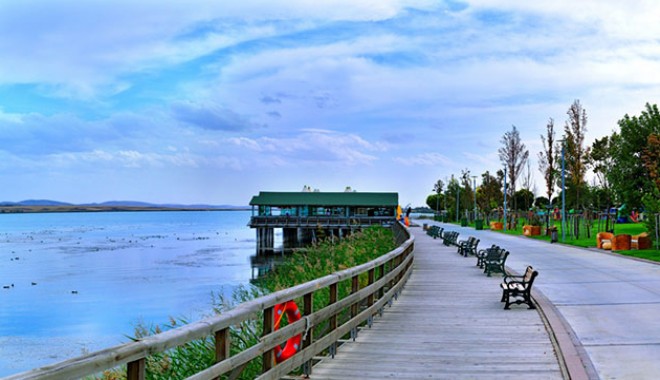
[[293, 344]]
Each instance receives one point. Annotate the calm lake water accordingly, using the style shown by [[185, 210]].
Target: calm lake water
[[79, 282]]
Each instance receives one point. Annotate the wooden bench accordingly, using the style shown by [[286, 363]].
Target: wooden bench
[[518, 289], [435, 231], [463, 244], [469, 248], [495, 261], [449, 238]]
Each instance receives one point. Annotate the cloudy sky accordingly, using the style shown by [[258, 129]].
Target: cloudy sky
[[203, 101]]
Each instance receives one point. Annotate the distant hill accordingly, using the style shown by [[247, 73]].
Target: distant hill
[[117, 204], [35, 202]]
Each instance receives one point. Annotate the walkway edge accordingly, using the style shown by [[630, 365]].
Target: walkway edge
[[573, 358]]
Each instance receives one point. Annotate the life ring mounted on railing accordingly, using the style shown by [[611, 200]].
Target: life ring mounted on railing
[[293, 344]]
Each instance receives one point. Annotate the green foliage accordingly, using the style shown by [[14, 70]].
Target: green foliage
[[435, 201], [651, 206], [489, 194], [524, 199], [629, 177]]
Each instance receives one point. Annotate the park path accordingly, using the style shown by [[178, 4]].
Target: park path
[[448, 323]]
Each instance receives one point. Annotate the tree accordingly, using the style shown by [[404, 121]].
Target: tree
[[651, 158], [548, 159], [437, 187], [435, 200], [600, 160], [453, 190], [524, 197], [528, 185], [575, 153], [513, 156], [467, 193], [628, 176], [489, 194]]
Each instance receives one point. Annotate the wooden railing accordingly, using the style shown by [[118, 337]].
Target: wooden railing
[[385, 278]]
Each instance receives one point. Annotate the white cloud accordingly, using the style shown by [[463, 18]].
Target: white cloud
[[425, 159]]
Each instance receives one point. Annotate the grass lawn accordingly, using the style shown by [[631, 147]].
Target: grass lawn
[[590, 242]]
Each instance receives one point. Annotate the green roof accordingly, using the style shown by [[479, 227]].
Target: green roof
[[269, 198]]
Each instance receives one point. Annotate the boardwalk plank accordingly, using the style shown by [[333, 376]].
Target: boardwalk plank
[[448, 323]]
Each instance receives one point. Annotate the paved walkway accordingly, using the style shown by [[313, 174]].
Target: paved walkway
[[611, 303], [448, 323]]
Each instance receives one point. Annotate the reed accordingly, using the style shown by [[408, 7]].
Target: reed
[[305, 264]]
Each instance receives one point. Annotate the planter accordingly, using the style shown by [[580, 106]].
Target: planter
[[496, 226], [531, 230]]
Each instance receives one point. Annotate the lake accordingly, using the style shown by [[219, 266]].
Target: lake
[[72, 283]]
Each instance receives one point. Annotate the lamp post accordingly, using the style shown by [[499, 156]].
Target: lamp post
[[504, 199], [474, 187], [437, 202], [458, 198], [563, 191]]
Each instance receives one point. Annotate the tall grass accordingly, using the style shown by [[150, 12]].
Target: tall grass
[[304, 265]]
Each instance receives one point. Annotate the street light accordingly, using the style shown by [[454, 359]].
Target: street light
[[474, 187], [563, 191], [437, 201], [505, 199], [458, 197]]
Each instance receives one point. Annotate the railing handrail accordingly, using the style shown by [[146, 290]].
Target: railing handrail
[[133, 352]]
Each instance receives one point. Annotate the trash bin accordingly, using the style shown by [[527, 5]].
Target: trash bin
[[464, 222], [479, 224], [553, 235], [425, 226]]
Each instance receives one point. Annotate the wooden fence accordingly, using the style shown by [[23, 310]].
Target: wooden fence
[[384, 276]]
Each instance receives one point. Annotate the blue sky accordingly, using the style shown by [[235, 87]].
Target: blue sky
[[214, 101]]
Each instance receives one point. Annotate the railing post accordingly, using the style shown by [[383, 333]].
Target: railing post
[[222, 348], [135, 370], [381, 273], [333, 318], [370, 298], [355, 287], [268, 356], [308, 309]]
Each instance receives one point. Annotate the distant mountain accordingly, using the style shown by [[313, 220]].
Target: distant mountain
[[35, 202], [47, 202]]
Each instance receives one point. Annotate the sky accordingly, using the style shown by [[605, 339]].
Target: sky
[[211, 102]]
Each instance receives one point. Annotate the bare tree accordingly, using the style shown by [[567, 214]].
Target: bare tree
[[548, 159], [528, 181], [576, 155], [513, 155]]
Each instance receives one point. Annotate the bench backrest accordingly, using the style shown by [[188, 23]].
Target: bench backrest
[[527, 277], [532, 276]]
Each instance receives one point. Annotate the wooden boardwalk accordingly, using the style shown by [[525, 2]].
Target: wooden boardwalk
[[448, 323]]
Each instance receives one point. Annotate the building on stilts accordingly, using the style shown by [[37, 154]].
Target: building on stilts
[[308, 216]]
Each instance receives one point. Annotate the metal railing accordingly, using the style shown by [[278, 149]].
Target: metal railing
[[385, 277], [323, 221]]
